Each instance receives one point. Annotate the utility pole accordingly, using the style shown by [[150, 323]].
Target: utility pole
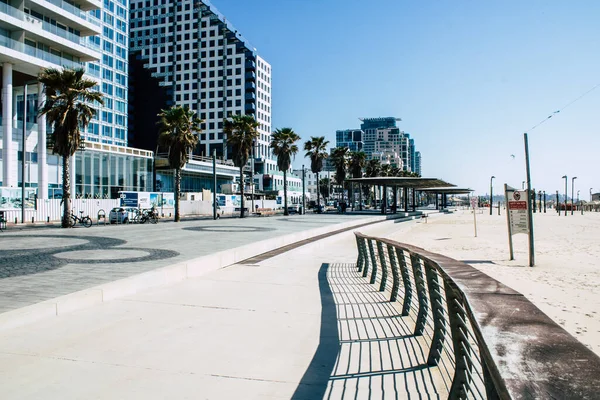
[[23, 152], [529, 213], [214, 160], [572, 193], [491, 194]]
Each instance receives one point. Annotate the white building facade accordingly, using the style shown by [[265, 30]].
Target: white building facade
[[88, 34], [201, 61]]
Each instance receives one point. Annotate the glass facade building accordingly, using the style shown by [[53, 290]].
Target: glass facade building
[[110, 123]]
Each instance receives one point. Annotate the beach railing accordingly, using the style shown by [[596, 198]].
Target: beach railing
[[487, 340]]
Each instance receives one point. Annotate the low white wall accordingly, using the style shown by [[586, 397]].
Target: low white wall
[[189, 207], [51, 209]]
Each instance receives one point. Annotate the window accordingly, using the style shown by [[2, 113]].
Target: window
[[121, 12], [108, 19], [107, 60], [120, 93], [120, 106], [121, 66], [107, 117], [107, 88], [121, 25], [109, 33], [109, 5], [121, 79], [106, 131], [107, 74], [121, 39], [108, 46], [121, 120]]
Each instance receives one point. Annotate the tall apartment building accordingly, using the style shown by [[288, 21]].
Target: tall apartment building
[[381, 139], [350, 138], [110, 123], [187, 53], [38, 34], [417, 167]]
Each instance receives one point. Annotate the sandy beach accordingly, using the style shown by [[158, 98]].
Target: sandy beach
[[565, 282]]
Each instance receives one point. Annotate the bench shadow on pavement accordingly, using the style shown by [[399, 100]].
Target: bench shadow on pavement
[[366, 348]]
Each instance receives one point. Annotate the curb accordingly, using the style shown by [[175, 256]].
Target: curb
[[170, 274]]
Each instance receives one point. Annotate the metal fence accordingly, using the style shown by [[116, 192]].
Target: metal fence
[[451, 305]]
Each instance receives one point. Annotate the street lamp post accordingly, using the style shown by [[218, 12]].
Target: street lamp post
[[572, 192], [491, 193], [544, 201], [590, 195], [565, 178]]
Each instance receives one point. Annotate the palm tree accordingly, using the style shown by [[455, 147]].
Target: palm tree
[[68, 109], [356, 166], [179, 129], [241, 133], [284, 147], [372, 170], [316, 150], [324, 185], [339, 157], [386, 170]]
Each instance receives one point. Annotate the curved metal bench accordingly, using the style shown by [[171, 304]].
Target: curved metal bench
[[499, 345]]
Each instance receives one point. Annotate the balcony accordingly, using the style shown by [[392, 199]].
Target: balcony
[[250, 86], [250, 97], [68, 15], [31, 59], [47, 33], [250, 65], [250, 76], [250, 107]]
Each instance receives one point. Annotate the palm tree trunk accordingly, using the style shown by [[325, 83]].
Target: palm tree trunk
[[360, 190], [242, 192], [66, 189], [318, 192], [177, 190], [285, 207]]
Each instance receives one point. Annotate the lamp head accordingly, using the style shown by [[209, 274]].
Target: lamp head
[[493, 177], [565, 177], [574, 177]]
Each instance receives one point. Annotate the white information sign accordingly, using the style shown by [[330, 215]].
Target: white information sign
[[517, 210], [474, 201]]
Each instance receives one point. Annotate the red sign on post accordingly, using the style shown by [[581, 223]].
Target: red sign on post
[[517, 211], [517, 205]]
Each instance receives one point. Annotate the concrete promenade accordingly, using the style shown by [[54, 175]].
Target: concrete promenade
[[41, 264], [300, 325]]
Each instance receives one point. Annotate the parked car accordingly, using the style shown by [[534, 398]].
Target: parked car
[[294, 209], [121, 215]]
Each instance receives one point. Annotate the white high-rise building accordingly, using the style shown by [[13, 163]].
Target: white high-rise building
[[189, 54], [89, 34]]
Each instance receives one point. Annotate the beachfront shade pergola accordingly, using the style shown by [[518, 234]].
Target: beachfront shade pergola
[[434, 185]]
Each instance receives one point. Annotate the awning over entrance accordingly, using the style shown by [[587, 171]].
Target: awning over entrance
[[405, 182]]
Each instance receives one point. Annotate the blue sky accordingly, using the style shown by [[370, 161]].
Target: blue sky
[[466, 77]]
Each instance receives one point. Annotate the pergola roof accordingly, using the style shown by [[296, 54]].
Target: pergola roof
[[416, 183], [447, 190]]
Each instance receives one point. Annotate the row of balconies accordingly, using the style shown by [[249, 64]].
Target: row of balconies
[[18, 22], [25, 49]]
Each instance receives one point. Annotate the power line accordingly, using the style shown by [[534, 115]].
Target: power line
[[565, 106]]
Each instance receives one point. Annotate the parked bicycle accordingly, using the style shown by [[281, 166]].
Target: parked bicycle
[[81, 220], [149, 215]]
